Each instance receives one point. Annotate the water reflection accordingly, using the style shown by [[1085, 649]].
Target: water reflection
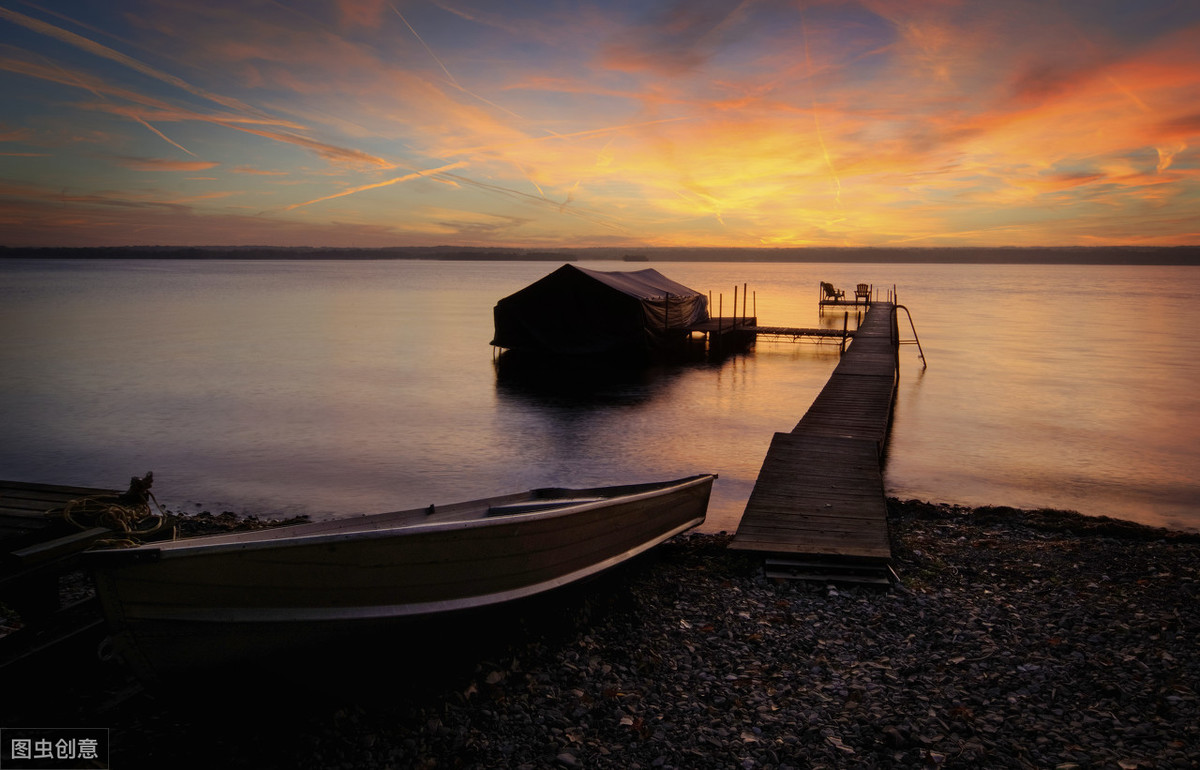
[[334, 387], [579, 383]]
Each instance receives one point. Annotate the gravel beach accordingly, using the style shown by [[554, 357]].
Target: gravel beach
[[1028, 639]]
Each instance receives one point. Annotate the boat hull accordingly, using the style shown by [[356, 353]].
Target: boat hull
[[230, 600]]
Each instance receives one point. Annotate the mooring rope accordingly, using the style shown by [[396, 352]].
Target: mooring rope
[[88, 512], [129, 513]]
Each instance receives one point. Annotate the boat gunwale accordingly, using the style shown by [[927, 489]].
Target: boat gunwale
[[270, 539], [368, 612]]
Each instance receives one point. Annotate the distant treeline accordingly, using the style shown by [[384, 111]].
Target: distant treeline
[[274, 252], [1068, 255]]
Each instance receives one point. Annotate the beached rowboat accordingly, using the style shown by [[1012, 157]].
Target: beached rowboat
[[224, 598]]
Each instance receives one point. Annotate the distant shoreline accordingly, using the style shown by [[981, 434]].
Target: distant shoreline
[[1052, 255]]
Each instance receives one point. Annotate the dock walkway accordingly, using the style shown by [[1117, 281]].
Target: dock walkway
[[796, 333], [818, 508], [745, 329]]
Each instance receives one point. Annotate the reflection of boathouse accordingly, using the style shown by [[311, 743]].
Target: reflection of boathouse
[[577, 311]]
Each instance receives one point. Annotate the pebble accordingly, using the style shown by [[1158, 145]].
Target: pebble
[[1016, 639]]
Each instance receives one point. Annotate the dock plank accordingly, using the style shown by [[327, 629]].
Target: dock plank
[[37, 545], [26, 508], [820, 489], [21, 498]]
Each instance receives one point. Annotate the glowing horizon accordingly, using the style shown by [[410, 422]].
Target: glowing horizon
[[724, 124]]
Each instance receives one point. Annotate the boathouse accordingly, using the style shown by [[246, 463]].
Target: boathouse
[[575, 311]]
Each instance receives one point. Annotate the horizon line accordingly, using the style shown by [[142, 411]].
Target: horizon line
[[1128, 254]]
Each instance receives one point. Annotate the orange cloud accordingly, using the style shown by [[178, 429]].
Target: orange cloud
[[361, 13], [16, 135], [701, 123], [1181, 126], [257, 171], [162, 164]]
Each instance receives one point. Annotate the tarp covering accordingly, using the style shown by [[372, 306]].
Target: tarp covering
[[577, 311]]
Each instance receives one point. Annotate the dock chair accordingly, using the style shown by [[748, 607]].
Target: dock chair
[[862, 292], [830, 292]]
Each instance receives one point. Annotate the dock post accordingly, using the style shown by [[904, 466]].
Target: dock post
[[845, 324]]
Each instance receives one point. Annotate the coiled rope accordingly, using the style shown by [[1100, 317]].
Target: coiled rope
[[129, 513]]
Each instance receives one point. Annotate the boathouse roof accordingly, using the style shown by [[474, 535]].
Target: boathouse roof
[[580, 311]]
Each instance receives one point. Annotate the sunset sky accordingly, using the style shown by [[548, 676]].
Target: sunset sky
[[541, 124]]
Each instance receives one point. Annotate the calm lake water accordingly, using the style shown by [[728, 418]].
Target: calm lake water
[[333, 388]]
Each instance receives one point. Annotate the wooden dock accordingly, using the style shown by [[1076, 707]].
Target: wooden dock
[[797, 334], [725, 334], [726, 325], [37, 546], [818, 509], [862, 303], [718, 330], [29, 530]]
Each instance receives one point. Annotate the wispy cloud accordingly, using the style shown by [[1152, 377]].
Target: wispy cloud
[[453, 82], [164, 164], [378, 185], [670, 122], [256, 171], [678, 38], [103, 51]]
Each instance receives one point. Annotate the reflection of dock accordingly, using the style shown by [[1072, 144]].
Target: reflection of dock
[[818, 509]]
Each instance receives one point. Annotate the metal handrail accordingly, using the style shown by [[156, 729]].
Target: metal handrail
[[915, 340]]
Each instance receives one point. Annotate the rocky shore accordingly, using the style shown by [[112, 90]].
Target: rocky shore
[[1016, 639]]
